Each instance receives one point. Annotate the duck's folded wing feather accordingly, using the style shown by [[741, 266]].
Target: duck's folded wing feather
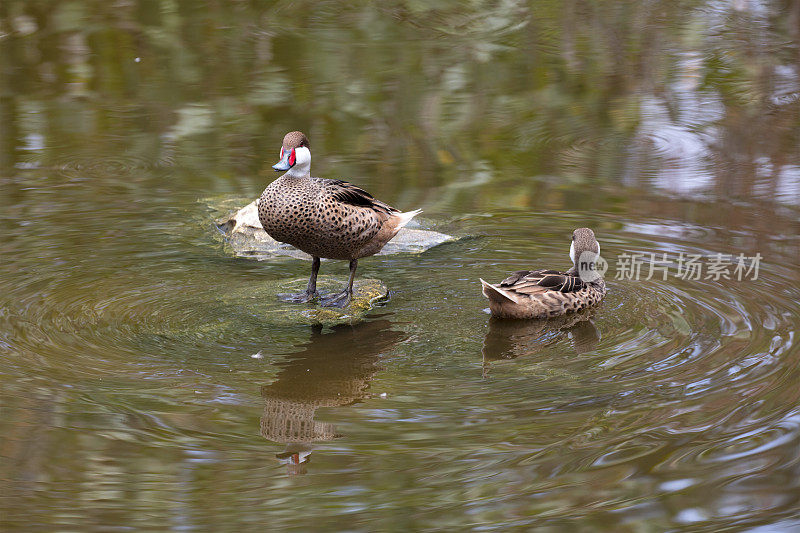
[[514, 278], [346, 192], [532, 282]]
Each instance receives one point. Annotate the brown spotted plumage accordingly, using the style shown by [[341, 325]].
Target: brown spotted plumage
[[550, 293], [326, 218]]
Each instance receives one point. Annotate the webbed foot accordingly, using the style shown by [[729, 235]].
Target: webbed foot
[[340, 300], [298, 298]]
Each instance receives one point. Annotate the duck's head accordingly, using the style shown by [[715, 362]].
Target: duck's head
[[584, 247], [295, 154]]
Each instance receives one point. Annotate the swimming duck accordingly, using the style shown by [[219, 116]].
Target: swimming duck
[[326, 218], [550, 293]]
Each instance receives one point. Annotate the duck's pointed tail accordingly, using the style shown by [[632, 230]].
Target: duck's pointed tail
[[496, 294], [404, 218]]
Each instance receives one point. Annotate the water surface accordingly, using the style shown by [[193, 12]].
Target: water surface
[[142, 387]]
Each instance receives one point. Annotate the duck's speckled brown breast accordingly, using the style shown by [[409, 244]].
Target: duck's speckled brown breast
[[303, 213], [575, 301]]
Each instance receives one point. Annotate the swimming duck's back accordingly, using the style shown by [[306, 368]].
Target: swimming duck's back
[[542, 294]]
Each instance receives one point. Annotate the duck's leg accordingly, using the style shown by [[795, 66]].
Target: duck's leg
[[341, 299], [310, 292]]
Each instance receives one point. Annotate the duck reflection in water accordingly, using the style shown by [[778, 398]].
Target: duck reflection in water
[[331, 370], [509, 339]]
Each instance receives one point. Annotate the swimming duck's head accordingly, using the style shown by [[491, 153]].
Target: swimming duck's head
[[295, 153], [584, 246]]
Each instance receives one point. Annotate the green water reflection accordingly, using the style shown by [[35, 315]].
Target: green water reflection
[[135, 391]]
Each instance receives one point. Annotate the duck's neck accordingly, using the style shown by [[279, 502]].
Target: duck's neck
[[298, 172]]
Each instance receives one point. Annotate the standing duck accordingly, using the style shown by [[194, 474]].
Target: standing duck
[[550, 293], [324, 218]]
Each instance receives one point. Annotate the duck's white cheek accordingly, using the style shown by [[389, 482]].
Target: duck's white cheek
[[303, 155], [572, 251]]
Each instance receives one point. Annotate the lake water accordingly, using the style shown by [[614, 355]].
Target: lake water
[[144, 384]]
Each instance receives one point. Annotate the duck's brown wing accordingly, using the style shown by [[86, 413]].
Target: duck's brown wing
[[346, 192], [533, 281]]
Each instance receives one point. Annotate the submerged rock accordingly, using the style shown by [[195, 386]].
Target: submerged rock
[[252, 308], [263, 300], [247, 238]]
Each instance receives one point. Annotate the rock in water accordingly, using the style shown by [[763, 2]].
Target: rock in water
[[264, 300], [247, 238], [252, 309]]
